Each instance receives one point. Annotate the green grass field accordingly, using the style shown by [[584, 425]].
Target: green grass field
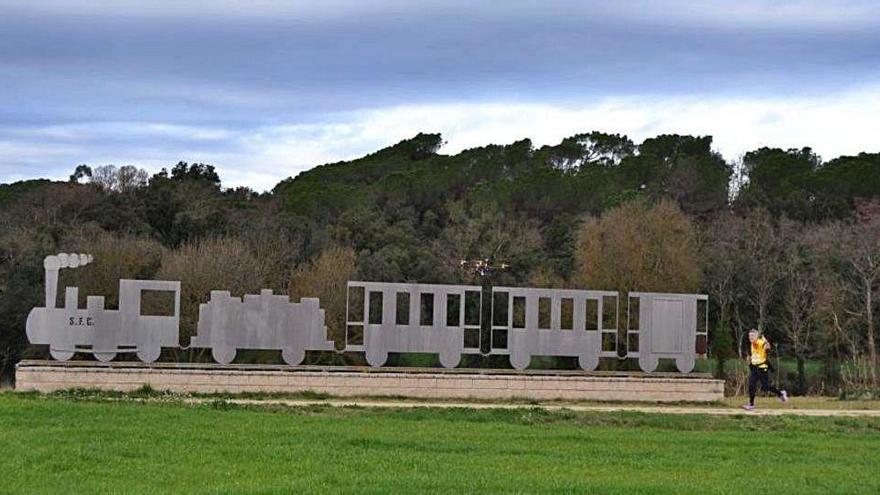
[[52, 444]]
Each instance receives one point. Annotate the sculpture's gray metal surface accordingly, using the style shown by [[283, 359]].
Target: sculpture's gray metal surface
[[380, 318], [390, 317], [103, 332], [554, 322], [664, 326], [266, 321]]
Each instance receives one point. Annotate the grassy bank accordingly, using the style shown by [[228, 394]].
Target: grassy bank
[[54, 445]]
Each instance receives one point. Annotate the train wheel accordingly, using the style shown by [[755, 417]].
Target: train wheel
[[104, 356], [376, 359], [520, 361], [223, 354], [293, 356], [648, 363], [450, 359], [60, 355], [685, 364], [588, 362], [149, 354]]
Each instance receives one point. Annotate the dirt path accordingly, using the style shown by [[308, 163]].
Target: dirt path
[[659, 409]]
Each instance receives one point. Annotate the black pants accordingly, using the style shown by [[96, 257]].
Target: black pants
[[761, 375]]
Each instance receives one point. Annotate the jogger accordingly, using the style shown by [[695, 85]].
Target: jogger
[[759, 369]]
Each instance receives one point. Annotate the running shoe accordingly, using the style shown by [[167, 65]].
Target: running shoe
[[749, 407], [783, 396]]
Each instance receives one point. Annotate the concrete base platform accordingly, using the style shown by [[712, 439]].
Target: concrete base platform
[[49, 376]]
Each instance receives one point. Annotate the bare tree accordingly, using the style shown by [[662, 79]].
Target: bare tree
[[722, 262], [852, 251], [220, 263], [130, 178], [838, 330], [123, 179], [798, 294], [860, 247], [326, 277], [106, 177], [762, 270]]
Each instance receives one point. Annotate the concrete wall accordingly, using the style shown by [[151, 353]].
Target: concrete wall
[[48, 376]]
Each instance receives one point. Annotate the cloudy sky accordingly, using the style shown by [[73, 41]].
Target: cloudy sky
[[264, 89]]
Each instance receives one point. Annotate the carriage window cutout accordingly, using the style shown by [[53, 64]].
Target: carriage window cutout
[[427, 310], [544, 313], [472, 338], [609, 341], [499, 339], [632, 330], [356, 304], [702, 339], [632, 342], [355, 335], [633, 314], [519, 312], [453, 310], [566, 321], [609, 313], [472, 308], [609, 324], [157, 302], [591, 319], [499, 309], [376, 308], [402, 317]]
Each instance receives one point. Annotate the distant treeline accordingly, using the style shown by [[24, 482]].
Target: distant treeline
[[780, 239]]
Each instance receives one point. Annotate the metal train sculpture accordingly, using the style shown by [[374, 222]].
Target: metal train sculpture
[[381, 318]]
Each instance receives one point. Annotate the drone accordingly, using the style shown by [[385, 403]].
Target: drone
[[483, 267]]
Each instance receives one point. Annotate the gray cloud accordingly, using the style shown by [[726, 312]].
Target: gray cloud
[[104, 76]]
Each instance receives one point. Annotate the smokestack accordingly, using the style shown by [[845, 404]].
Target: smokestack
[[55, 262], [51, 264]]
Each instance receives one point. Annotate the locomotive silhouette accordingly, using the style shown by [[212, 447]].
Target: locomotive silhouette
[[103, 332], [381, 318]]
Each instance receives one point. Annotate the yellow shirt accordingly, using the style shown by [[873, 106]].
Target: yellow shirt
[[759, 353]]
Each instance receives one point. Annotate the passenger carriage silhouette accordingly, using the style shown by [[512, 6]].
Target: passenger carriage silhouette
[[555, 322], [671, 326], [525, 322], [389, 317]]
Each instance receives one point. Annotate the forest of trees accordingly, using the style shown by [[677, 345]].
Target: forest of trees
[[780, 239]]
